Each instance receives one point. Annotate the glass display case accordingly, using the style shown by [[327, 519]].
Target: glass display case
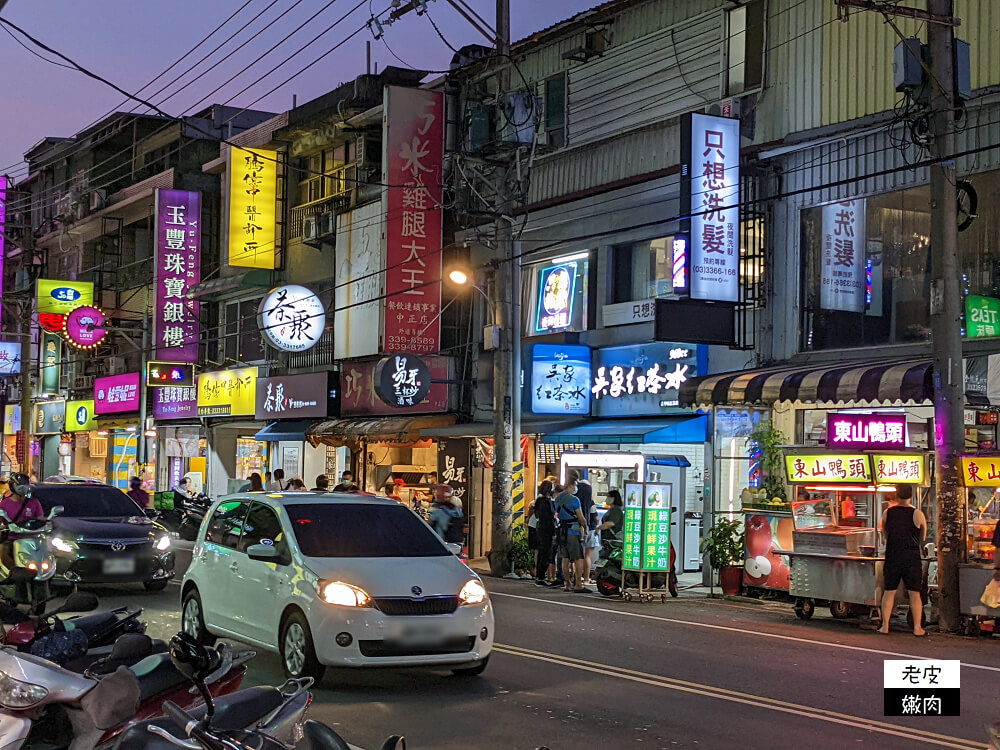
[[984, 512], [820, 513]]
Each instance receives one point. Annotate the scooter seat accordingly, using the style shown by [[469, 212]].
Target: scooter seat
[[156, 675], [91, 623]]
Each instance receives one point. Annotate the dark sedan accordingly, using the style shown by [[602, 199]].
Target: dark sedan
[[102, 536]]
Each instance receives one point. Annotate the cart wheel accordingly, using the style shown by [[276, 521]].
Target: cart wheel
[[840, 610], [627, 596], [804, 608]]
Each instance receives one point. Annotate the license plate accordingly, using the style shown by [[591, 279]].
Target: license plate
[[413, 634], [118, 566]]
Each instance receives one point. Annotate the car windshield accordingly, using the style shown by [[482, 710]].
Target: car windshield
[[358, 530], [86, 500]]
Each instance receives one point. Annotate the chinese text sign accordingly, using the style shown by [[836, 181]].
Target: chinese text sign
[[866, 431], [844, 272], [982, 317], [560, 379], [252, 193], [922, 687], [177, 270], [826, 468]]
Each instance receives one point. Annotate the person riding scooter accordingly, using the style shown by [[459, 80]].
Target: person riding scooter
[[20, 509]]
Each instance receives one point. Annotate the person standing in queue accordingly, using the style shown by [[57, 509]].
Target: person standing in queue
[[139, 496], [346, 482], [572, 528], [543, 512], [903, 528]]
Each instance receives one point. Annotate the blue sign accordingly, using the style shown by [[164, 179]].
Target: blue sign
[[556, 291], [559, 379], [82, 415], [643, 379]]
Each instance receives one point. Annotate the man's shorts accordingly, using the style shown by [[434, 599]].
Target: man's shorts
[[909, 572], [571, 549]]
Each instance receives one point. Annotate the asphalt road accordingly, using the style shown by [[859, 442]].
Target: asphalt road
[[575, 672]]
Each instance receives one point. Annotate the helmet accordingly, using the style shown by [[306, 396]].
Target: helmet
[[20, 483], [191, 658]]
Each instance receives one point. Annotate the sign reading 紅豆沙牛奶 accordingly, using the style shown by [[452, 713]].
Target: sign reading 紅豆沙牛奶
[[922, 687], [847, 468], [558, 379], [866, 431], [402, 380]]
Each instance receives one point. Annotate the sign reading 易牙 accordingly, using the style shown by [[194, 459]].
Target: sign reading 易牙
[[922, 687], [177, 270], [402, 380], [982, 317], [848, 468], [844, 278], [866, 431]]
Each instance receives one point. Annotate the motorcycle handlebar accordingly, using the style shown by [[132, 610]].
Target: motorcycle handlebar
[[180, 717]]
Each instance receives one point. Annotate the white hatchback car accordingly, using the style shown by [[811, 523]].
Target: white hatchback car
[[334, 580]]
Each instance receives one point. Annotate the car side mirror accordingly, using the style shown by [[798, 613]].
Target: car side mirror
[[263, 552], [57, 510], [453, 548]]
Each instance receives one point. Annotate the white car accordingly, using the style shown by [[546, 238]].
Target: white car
[[334, 580]]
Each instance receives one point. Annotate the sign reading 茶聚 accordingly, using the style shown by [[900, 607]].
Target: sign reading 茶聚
[[982, 317], [922, 687]]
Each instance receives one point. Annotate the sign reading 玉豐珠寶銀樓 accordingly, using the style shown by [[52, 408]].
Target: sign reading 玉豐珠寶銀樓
[[177, 270]]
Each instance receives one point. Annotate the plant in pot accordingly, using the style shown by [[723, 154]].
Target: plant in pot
[[725, 546], [766, 441]]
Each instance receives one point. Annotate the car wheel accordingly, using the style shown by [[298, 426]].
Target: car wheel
[[192, 620], [298, 656], [472, 671], [156, 585]]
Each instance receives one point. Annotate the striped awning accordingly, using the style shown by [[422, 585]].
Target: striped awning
[[346, 431], [882, 383]]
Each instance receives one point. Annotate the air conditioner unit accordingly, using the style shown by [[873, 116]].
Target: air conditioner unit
[[310, 228], [98, 199], [327, 224], [98, 446]]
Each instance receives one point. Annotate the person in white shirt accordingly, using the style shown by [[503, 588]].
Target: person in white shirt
[[278, 483]]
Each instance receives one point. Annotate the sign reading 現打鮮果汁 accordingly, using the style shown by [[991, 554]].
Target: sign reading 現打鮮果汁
[[647, 527]]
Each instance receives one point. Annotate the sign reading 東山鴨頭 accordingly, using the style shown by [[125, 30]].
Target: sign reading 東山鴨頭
[[558, 379], [844, 269], [642, 379], [227, 392], [252, 193], [291, 318], [10, 357], [556, 295], [980, 471], [310, 396], [412, 195], [847, 468], [117, 393], [982, 317], [710, 196], [858, 432], [900, 468], [177, 270], [80, 416], [85, 327], [402, 380], [57, 298]]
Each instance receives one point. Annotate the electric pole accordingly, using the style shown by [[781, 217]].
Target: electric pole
[[503, 380], [946, 299]]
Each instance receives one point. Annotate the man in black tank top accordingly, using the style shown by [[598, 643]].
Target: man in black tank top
[[903, 529]]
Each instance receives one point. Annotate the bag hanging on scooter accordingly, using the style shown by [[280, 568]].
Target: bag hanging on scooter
[[114, 700]]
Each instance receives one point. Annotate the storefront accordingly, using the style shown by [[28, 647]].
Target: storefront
[[227, 401], [980, 474], [88, 450], [180, 439], [116, 404], [289, 405], [11, 426], [48, 418]]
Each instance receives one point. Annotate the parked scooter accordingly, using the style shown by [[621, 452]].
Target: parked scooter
[[45, 705], [609, 571], [191, 515], [29, 549]]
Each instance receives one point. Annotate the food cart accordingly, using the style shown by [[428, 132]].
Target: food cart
[[981, 478], [839, 499]]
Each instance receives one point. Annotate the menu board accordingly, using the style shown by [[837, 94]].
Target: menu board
[[647, 527]]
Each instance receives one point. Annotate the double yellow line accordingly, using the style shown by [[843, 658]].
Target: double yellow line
[[732, 696]]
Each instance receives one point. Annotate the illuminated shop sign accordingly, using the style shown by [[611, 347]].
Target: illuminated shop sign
[[900, 468], [556, 288], [642, 379], [57, 298], [845, 468], [559, 381], [981, 471], [253, 184], [844, 273], [866, 431]]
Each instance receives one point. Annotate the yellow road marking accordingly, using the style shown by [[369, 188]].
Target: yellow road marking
[[859, 722]]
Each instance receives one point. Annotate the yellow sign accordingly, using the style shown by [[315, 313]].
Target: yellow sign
[[841, 468], [252, 195], [11, 419], [80, 416], [981, 471], [61, 297], [227, 392], [899, 468]]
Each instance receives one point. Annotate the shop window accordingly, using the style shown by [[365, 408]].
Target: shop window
[[555, 295], [226, 524], [744, 47], [263, 527], [555, 111], [241, 337], [642, 270]]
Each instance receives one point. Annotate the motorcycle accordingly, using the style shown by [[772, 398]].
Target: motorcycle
[[29, 551], [45, 705], [191, 515], [609, 571]]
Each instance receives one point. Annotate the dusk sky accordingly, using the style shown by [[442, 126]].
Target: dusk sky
[[130, 43]]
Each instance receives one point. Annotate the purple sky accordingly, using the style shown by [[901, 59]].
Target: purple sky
[[129, 46]]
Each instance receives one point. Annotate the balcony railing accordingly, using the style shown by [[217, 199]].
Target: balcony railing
[[319, 356]]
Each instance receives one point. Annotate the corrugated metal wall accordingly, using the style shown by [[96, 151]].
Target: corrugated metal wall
[[857, 55], [647, 80]]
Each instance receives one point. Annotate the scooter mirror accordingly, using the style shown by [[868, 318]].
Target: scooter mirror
[[4, 516], [80, 601], [57, 510]]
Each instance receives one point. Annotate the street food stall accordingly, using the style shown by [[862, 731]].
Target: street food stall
[[981, 478], [834, 554]]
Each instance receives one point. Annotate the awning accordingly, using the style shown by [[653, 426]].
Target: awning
[[247, 280], [682, 428], [294, 430], [384, 429], [894, 382], [486, 429]]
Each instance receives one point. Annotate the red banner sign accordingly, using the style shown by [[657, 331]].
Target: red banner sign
[[412, 173], [358, 396]]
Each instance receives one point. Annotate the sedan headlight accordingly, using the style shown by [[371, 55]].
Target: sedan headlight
[[345, 595], [163, 543], [62, 545], [473, 592], [19, 695]]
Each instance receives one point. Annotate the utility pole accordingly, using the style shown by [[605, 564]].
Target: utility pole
[[503, 382], [946, 299], [26, 370]]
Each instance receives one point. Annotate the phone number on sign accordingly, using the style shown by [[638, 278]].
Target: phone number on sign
[[715, 270]]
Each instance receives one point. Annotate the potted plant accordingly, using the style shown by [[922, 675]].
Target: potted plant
[[725, 545], [766, 441]]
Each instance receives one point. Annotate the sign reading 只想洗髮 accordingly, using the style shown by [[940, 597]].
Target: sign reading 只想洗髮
[[847, 468], [252, 194], [177, 270]]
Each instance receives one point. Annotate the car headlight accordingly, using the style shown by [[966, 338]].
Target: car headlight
[[473, 592], [62, 545], [19, 695], [345, 595], [163, 543]]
